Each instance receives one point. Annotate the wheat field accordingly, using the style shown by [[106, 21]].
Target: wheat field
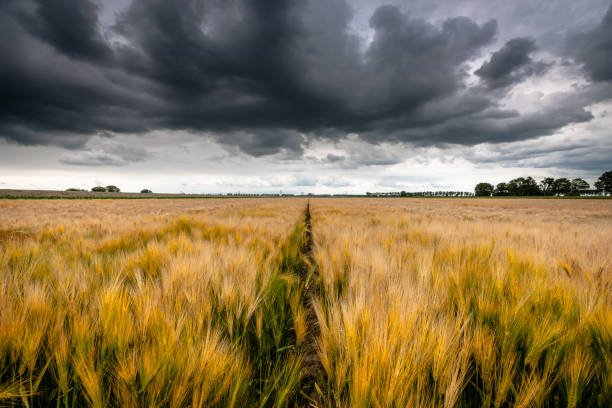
[[215, 302]]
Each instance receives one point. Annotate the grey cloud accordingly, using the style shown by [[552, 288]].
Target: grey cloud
[[263, 142], [357, 152], [497, 126], [70, 26], [412, 62], [258, 84], [511, 64], [593, 49], [263, 76], [104, 151], [88, 158], [585, 147], [334, 158], [579, 157], [48, 98], [305, 181], [545, 21]]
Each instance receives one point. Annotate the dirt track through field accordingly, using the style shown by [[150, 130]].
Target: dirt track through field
[[315, 377]]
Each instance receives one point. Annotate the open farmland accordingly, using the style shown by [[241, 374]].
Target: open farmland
[[150, 303], [465, 302], [389, 303]]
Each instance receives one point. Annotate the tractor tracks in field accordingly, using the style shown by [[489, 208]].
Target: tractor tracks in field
[[315, 378]]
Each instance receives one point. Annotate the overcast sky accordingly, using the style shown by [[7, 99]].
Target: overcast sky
[[321, 96]]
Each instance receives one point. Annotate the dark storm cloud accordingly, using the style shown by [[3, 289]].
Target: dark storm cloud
[[469, 119], [47, 97], [280, 67], [511, 64], [411, 62], [70, 26], [593, 49], [261, 75]]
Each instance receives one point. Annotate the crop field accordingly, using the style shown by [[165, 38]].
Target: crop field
[[465, 302], [285, 302]]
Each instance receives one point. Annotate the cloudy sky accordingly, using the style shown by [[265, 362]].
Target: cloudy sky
[[322, 96]]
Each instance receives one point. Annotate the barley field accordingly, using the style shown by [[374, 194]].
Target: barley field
[[285, 302], [150, 303], [466, 303]]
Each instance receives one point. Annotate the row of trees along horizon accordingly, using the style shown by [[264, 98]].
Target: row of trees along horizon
[[108, 189], [422, 194], [549, 186], [521, 186]]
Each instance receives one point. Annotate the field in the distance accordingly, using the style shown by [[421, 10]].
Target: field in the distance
[[408, 302], [51, 194]]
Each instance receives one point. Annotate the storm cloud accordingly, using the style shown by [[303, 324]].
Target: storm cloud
[[593, 49], [269, 76], [511, 64]]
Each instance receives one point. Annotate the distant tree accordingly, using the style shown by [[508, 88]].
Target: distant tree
[[513, 186], [578, 186], [562, 186], [145, 191], [546, 185], [501, 190], [604, 182], [112, 189], [403, 194], [483, 190], [99, 189], [531, 188], [523, 186], [75, 189]]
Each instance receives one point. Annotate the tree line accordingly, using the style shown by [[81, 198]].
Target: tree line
[[108, 189], [422, 194], [549, 186]]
